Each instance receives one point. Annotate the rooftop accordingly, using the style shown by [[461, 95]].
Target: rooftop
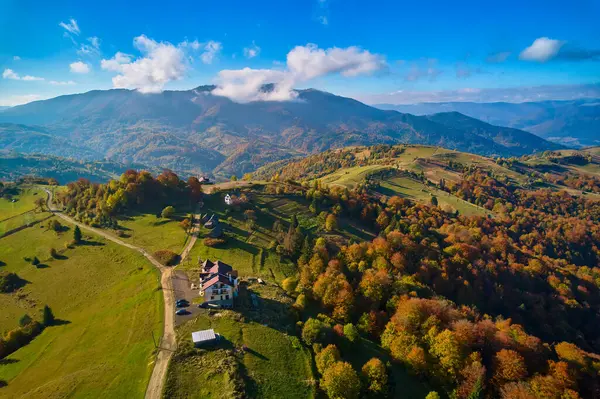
[[204, 335]]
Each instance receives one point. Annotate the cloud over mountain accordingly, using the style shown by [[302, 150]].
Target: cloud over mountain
[[303, 64]]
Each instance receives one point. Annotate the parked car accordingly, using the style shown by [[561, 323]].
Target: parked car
[[181, 312], [203, 305], [182, 301], [182, 305]]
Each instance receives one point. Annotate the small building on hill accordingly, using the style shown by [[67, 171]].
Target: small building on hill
[[218, 283], [228, 200], [204, 337]]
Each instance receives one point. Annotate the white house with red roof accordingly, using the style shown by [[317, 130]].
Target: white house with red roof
[[218, 283]]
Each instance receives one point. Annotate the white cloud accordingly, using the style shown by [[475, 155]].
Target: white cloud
[[70, 27], [542, 50], [11, 101], [252, 51], [303, 64], [211, 51], [61, 83], [323, 20], [31, 78], [79, 67], [93, 48], [114, 64], [16, 58], [161, 63], [10, 74]]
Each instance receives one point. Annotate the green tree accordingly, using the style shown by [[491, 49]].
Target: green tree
[[375, 375], [432, 395], [234, 178], [289, 284], [77, 234], [168, 212], [313, 331], [25, 320], [434, 201], [47, 316], [331, 222], [340, 381], [351, 332], [327, 357]]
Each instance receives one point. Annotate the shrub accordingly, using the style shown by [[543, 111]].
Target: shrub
[[168, 212], [35, 261], [213, 242], [9, 282], [24, 320], [166, 257]]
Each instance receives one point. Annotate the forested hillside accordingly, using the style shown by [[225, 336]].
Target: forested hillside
[[195, 131]]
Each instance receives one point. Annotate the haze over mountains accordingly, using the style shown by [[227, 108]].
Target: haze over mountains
[[572, 123], [194, 131]]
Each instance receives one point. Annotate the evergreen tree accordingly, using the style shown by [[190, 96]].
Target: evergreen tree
[[77, 234], [47, 316]]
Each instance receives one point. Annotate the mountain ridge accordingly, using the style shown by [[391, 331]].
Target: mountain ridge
[[194, 131]]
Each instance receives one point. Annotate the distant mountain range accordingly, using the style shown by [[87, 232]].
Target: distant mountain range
[[572, 123], [194, 131]]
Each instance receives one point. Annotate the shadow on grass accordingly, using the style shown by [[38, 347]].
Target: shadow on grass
[[42, 266], [255, 353], [59, 322], [8, 361], [91, 243], [60, 257], [3, 383], [2, 263]]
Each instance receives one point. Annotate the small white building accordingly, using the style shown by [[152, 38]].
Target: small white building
[[228, 199], [204, 337]]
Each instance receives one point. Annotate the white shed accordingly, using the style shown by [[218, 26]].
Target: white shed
[[228, 199], [204, 337]]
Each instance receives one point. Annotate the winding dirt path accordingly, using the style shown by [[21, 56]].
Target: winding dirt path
[[168, 342]]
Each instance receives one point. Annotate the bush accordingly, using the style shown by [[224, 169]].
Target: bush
[[19, 337], [166, 257], [168, 212], [213, 242], [9, 282], [35, 261]]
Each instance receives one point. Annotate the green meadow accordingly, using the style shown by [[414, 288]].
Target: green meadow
[[106, 300]]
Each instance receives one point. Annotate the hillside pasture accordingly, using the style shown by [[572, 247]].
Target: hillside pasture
[[414, 190], [106, 300]]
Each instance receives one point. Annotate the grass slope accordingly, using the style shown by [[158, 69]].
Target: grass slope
[[274, 364], [153, 233], [106, 294]]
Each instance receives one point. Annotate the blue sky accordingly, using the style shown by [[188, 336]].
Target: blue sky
[[376, 51]]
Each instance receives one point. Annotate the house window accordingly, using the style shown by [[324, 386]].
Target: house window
[[212, 297], [221, 297], [227, 297]]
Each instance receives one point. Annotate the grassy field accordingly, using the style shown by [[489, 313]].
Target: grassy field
[[351, 177], [108, 304], [274, 364], [22, 211], [153, 233], [406, 187]]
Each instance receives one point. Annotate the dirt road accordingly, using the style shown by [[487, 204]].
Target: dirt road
[[168, 342]]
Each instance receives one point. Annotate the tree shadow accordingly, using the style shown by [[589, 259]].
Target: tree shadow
[[255, 353], [60, 257], [2, 263], [3, 383], [162, 222], [42, 266], [8, 361], [91, 243], [59, 322]]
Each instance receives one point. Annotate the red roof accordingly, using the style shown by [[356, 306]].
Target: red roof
[[216, 279]]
